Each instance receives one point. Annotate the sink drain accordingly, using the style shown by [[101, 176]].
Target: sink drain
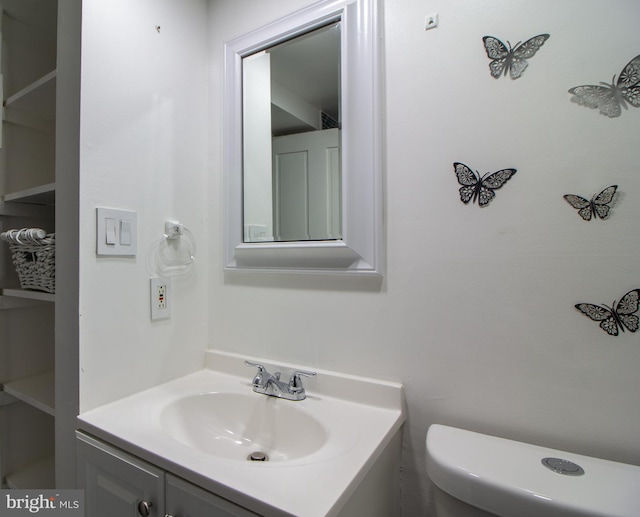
[[561, 466], [258, 456]]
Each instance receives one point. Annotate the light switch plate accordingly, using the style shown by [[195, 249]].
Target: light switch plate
[[110, 239]]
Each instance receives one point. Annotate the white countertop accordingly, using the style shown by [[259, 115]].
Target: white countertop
[[360, 416]]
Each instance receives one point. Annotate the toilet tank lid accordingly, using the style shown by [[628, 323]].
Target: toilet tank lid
[[508, 478]]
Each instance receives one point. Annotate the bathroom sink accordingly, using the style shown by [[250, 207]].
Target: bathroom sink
[[235, 426], [202, 428]]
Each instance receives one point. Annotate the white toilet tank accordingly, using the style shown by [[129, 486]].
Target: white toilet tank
[[479, 474]]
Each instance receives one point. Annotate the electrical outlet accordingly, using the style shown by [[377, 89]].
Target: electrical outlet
[[161, 297], [160, 290]]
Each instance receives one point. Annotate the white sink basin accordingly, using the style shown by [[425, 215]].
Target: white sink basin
[[233, 426], [201, 427]]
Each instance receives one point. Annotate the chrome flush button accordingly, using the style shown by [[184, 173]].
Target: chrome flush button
[[565, 467]]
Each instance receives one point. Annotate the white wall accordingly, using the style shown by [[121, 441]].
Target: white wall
[[475, 314], [143, 148], [256, 108]]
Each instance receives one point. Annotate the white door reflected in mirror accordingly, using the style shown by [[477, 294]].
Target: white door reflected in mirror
[[306, 186]]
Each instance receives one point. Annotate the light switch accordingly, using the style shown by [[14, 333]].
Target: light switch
[[110, 231], [125, 233], [116, 232]]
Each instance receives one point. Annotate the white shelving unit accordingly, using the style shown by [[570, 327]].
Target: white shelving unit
[[27, 199]]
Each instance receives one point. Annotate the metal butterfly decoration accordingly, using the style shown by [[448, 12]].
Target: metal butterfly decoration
[[479, 187], [613, 319], [609, 98], [511, 60], [598, 206]]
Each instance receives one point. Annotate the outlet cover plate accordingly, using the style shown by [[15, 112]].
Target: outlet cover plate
[[160, 298]]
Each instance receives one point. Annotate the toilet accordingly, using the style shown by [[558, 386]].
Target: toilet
[[476, 475]]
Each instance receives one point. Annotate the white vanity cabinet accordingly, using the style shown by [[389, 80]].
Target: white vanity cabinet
[[117, 483], [184, 499]]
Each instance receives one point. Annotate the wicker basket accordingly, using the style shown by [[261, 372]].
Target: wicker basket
[[34, 256]]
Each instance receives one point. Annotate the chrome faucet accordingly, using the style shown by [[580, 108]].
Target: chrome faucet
[[270, 383]]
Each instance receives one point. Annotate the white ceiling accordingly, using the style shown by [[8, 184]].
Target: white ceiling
[[309, 67]]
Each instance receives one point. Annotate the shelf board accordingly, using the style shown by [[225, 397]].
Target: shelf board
[[40, 195], [29, 295], [5, 398], [37, 97], [38, 475], [35, 202], [26, 210], [11, 302], [37, 391]]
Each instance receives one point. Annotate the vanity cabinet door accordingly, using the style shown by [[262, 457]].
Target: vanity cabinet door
[[187, 500], [117, 484]]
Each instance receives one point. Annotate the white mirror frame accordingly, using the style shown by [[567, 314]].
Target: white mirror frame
[[360, 249]]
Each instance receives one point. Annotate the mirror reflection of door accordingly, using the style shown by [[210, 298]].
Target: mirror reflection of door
[[291, 139], [306, 186]]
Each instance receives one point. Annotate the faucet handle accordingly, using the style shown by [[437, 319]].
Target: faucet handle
[[295, 383], [260, 375]]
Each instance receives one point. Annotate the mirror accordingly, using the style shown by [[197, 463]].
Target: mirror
[[280, 214], [291, 139]]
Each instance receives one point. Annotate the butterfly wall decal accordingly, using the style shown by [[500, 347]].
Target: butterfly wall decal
[[613, 319], [609, 98], [511, 60], [479, 187], [598, 206]]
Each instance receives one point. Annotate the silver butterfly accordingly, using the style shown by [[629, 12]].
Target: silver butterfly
[[613, 319], [598, 206], [513, 61], [609, 98]]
